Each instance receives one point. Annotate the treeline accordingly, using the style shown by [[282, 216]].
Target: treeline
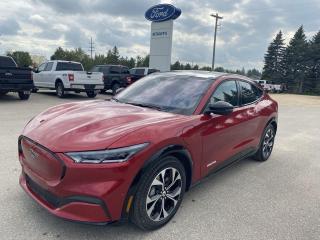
[[297, 64], [252, 73], [112, 57]]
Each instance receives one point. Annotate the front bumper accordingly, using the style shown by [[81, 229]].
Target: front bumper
[[91, 193], [74, 208]]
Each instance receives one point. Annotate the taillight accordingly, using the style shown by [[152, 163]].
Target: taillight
[[71, 77], [129, 81]]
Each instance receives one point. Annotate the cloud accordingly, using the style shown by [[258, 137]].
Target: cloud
[[245, 31], [9, 27]]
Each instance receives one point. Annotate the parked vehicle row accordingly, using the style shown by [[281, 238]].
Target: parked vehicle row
[[270, 86], [14, 78]]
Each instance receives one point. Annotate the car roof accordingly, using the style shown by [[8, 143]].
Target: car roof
[[63, 61], [193, 73], [110, 65]]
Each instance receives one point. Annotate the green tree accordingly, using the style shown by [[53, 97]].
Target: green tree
[[296, 62], [187, 66], [274, 60], [313, 81], [176, 66], [23, 59]]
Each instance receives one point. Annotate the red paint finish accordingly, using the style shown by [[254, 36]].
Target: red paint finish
[[98, 125]]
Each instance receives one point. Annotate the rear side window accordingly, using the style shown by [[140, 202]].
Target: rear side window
[[7, 62], [227, 91], [249, 92], [48, 66], [140, 71], [115, 70], [69, 66]]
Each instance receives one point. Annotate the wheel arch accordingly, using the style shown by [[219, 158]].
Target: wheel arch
[[273, 122], [57, 80], [178, 151]]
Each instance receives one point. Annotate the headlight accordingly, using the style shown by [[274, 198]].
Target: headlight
[[107, 156]]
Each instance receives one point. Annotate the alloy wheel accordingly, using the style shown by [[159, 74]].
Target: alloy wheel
[[163, 195], [268, 142]]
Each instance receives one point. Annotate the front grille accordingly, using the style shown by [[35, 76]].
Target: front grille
[[42, 193]]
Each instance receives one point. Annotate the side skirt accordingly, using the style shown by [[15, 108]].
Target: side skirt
[[228, 163]]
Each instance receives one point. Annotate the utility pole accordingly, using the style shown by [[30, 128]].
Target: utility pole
[[91, 47], [217, 17]]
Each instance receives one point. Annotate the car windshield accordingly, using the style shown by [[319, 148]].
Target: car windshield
[[170, 92]]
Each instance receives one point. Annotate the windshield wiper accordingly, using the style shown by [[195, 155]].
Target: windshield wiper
[[146, 106]]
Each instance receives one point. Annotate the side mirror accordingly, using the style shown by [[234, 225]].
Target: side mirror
[[119, 90], [220, 108]]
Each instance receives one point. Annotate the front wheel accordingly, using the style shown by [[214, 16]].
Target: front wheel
[[24, 95], [91, 94], [266, 145], [159, 194]]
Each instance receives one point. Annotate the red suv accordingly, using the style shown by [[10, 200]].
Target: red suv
[[135, 155]]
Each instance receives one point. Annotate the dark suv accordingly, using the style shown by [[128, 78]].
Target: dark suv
[[114, 76]]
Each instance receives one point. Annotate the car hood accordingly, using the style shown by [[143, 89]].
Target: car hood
[[91, 125]]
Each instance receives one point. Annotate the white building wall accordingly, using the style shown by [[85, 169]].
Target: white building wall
[[161, 45]]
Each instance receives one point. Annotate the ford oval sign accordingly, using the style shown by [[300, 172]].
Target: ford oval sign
[[162, 12]]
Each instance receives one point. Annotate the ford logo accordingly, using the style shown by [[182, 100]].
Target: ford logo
[[162, 12]]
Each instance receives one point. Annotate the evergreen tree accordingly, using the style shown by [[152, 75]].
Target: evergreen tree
[[296, 62], [313, 80], [274, 60]]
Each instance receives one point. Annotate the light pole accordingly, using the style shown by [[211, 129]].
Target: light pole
[[217, 17]]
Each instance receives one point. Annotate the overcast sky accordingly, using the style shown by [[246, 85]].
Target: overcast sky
[[40, 26]]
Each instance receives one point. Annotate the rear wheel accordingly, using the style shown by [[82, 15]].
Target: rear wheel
[[159, 194], [24, 95], [91, 94], [266, 145], [60, 90], [115, 87]]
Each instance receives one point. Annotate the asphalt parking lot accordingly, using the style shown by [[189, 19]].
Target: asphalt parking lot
[[278, 199]]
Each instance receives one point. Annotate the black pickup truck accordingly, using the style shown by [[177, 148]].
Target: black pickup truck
[[114, 76], [14, 78]]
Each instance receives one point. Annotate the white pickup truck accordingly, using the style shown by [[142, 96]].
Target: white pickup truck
[[66, 76], [270, 87]]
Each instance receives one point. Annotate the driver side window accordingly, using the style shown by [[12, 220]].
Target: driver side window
[[42, 67], [227, 91]]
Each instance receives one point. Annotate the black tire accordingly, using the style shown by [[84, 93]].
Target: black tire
[[266, 144], [60, 90], [115, 87], [91, 94], [103, 91], [35, 90], [23, 95], [139, 214]]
